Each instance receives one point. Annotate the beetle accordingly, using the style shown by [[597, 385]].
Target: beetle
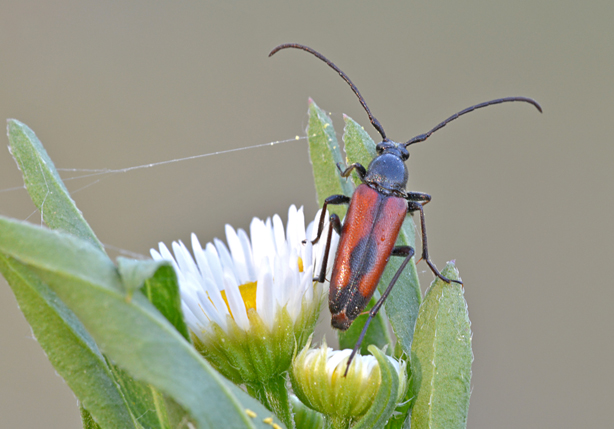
[[374, 218]]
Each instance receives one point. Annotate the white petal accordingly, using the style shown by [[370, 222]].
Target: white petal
[[309, 234], [184, 259], [155, 255], [335, 359], [192, 322], [270, 258], [211, 311], [215, 295], [307, 255], [201, 258], [265, 298], [269, 240], [331, 255], [256, 231], [249, 258], [198, 309], [215, 265], [224, 254], [292, 227], [235, 301], [167, 256], [238, 257], [279, 281], [307, 285], [280, 239]]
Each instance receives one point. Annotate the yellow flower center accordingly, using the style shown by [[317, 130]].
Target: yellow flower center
[[248, 293]]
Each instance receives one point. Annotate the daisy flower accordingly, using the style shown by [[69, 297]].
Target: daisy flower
[[250, 304]]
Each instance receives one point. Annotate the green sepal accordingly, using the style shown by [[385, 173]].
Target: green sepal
[[260, 357], [401, 417], [441, 357], [307, 319], [251, 356], [258, 354], [325, 154], [387, 395], [45, 185]]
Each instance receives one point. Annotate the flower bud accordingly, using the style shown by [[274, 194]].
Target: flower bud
[[318, 381]]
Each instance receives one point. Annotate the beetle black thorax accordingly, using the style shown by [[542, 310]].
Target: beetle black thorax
[[387, 172]]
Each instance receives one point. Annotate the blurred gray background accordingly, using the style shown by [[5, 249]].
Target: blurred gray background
[[522, 201]]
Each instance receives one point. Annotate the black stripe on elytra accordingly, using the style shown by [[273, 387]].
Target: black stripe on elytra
[[362, 260]]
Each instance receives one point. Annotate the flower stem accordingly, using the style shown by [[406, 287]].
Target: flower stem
[[274, 395]]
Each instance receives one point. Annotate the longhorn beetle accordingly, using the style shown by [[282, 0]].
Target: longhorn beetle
[[374, 218]]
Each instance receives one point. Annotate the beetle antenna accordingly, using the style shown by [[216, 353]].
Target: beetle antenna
[[374, 121], [422, 137]]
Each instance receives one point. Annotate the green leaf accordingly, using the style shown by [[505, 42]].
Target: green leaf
[[59, 212], [177, 416], [324, 153], [45, 185], [441, 357], [131, 333], [145, 401], [71, 350], [160, 287], [386, 398], [134, 273], [358, 145], [86, 419]]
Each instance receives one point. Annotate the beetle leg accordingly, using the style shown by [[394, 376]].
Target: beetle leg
[[408, 253], [360, 170], [419, 197], [336, 225], [411, 207], [334, 200]]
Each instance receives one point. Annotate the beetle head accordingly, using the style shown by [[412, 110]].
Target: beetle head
[[394, 148]]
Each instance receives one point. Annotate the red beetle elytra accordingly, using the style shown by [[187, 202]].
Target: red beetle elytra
[[374, 218]]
